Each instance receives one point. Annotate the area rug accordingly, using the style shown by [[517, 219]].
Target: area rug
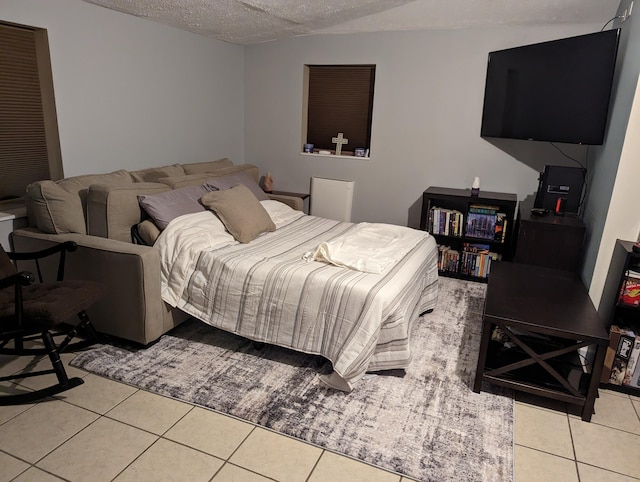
[[425, 422]]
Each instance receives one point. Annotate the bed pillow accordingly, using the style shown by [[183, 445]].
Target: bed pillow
[[240, 211], [166, 206], [226, 182]]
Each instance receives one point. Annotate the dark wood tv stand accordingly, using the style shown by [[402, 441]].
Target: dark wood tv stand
[[545, 316]]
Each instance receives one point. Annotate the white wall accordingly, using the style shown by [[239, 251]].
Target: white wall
[[426, 117], [613, 199], [623, 219], [131, 93]]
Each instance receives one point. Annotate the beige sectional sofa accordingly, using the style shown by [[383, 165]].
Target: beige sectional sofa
[[98, 212]]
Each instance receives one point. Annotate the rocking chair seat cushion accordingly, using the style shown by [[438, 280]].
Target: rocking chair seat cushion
[[50, 304]]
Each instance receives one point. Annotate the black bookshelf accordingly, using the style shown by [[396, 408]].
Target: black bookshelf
[[446, 213], [626, 316]]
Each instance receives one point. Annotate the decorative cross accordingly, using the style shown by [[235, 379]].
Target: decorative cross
[[338, 141]]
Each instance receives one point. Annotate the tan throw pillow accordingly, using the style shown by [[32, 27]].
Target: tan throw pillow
[[240, 211], [148, 232]]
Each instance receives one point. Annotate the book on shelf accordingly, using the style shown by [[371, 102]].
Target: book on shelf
[[630, 291], [500, 230], [445, 221], [448, 259], [621, 346], [482, 221], [476, 259], [632, 375]]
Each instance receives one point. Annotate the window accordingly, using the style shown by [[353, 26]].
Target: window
[[29, 142], [339, 99]]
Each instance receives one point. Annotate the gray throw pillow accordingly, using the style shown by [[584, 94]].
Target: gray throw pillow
[[240, 212], [166, 206]]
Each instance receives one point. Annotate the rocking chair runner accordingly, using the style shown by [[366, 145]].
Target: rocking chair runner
[[30, 311]]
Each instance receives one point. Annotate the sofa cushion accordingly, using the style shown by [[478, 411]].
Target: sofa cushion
[[153, 174], [54, 210], [60, 207], [112, 210], [166, 206], [179, 182], [242, 214], [200, 178], [226, 182], [209, 166]]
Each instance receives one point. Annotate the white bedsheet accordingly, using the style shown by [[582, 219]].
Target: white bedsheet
[[265, 291]]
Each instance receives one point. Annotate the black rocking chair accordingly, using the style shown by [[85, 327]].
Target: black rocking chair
[[31, 311]]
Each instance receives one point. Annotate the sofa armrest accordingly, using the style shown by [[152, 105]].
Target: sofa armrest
[[292, 201], [133, 308]]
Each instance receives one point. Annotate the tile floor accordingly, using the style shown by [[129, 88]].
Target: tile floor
[[104, 430]]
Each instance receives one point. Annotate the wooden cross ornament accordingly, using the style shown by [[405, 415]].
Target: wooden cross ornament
[[339, 141]]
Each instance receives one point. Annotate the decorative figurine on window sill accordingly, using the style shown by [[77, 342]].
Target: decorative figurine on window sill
[[268, 182]]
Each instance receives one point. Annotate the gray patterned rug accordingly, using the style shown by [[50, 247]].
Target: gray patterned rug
[[427, 424]]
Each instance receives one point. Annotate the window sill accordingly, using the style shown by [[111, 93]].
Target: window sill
[[317, 154], [13, 210]]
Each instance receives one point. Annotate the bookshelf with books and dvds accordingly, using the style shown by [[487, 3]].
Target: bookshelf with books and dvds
[[620, 306], [471, 231]]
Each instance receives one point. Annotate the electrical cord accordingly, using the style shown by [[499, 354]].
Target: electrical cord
[[567, 155], [584, 168], [614, 18]]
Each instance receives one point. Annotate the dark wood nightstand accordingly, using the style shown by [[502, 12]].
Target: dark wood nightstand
[[548, 240], [302, 195]]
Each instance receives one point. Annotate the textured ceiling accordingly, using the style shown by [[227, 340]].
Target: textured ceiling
[[247, 22]]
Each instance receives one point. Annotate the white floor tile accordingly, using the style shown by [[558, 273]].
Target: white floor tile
[[169, 461], [589, 473], [233, 473], [210, 432], [535, 466], [543, 430], [7, 412], [606, 447], [98, 453], [337, 467], [98, 394], [276, 456], [37, 431], [10, 467], [616, 412], [34, 474], [150, 412]]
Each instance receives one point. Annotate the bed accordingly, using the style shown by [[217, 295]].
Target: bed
[[309, 285]]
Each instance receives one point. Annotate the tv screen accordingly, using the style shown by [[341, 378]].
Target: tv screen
[[554, 91]]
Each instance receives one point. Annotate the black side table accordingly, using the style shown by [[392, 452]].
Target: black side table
[[539, 318]]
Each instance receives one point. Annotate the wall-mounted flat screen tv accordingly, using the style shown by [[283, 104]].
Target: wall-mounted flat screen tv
[[554, 91]]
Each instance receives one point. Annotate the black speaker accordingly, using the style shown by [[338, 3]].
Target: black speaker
[[560, 189]]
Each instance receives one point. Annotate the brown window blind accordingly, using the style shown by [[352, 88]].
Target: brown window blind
[[340, 99], [24, 153]]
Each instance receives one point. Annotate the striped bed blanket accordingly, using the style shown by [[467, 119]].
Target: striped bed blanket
[[266, 291]]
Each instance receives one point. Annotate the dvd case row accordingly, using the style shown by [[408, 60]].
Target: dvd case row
[[483, 222]]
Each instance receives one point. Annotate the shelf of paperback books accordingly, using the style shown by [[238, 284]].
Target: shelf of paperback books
[[471, 231], [621, 369]]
